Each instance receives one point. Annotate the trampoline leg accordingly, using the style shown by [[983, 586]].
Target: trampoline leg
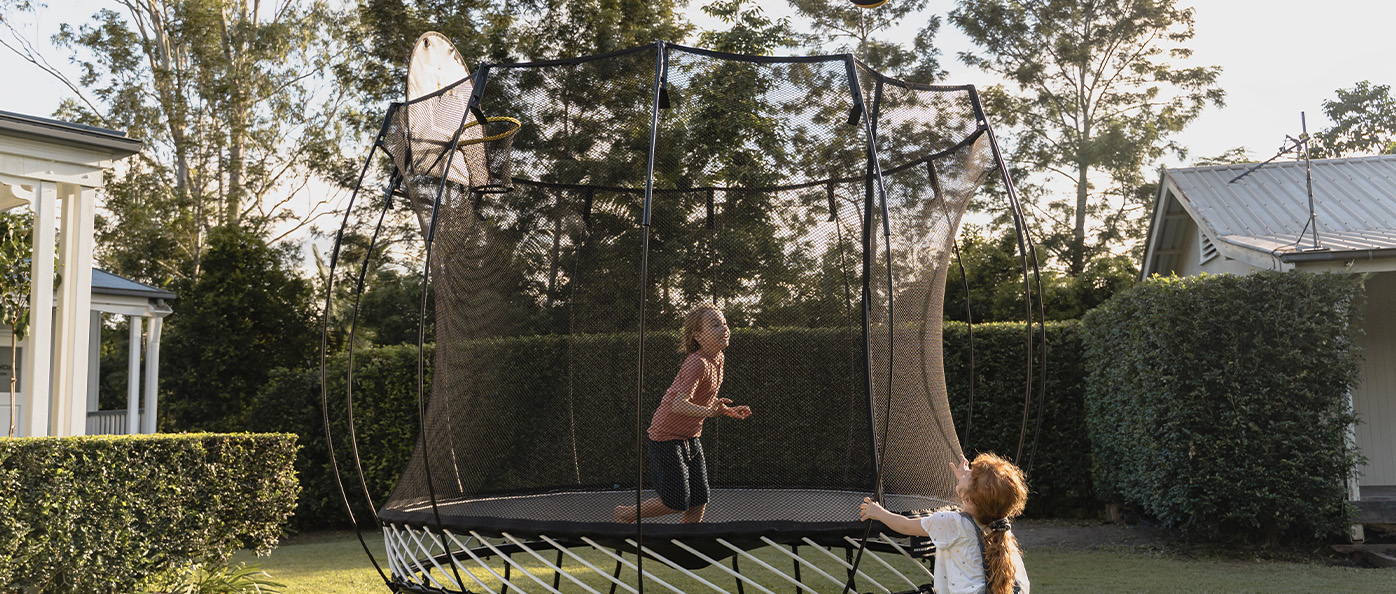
[[616, 573], [795, 549], [504, 589], [852, 577], [737, 570], [557, 573]]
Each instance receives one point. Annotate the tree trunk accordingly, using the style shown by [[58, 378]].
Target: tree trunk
[[1078, 235], [14, 348]]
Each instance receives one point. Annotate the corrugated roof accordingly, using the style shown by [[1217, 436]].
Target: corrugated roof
[[1354, 199], [106, 283], [69, 133]]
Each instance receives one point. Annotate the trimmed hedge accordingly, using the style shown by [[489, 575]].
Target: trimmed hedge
[[762, 364], [103, 513], [1059, 467], [1219, 403]]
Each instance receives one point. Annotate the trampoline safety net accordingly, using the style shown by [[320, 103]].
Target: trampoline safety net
[[813, 200]]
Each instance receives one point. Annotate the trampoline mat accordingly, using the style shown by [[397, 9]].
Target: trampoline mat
[[781, 514]]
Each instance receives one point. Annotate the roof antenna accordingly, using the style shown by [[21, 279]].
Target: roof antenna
[[1300, 145]]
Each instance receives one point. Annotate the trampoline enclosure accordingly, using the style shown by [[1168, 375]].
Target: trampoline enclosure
[[812, 199]]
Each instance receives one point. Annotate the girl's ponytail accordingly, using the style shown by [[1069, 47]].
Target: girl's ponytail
[[997, 492]]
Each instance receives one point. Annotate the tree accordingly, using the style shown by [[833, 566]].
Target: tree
[[1097, 98], [247, 313], [841, 26], [994, 273], [234, 103], [15, 233], [1364, 123]]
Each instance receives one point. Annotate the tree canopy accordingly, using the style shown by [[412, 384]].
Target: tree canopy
[[1364, 123], [1098, 96]]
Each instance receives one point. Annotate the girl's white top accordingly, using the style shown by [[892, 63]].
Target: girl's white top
[[959, 566]]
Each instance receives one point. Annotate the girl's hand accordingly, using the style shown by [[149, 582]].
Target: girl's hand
[[961, 470], [737, 412], [870, 510]]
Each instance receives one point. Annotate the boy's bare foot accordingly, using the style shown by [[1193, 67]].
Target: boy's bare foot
[[625, 514]]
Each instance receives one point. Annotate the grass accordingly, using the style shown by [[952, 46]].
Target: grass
[[335, 564]]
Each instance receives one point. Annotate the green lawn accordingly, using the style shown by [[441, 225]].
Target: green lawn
[[335, 564]]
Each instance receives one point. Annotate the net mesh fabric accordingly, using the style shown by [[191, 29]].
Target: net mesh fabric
[[765, 202]]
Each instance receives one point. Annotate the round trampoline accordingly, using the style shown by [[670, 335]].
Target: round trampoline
[[570, 213]]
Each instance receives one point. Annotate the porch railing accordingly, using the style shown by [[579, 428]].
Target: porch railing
[[108, 422]]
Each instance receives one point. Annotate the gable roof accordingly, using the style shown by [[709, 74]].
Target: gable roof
[[69, 133], [1267, 210], [106, 283]]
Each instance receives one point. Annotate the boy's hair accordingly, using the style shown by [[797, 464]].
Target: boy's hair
[[692, 325], [997, 491]]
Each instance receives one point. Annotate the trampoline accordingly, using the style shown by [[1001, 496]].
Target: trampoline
[[570, 213]]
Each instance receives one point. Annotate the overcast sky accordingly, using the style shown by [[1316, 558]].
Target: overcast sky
[[1279, 57]]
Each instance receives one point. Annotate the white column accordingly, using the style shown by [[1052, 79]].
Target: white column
[[37, 370], [152, 375], [133, 377], [71, 331], [94, 362]]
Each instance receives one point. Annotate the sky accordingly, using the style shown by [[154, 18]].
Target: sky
[[1279, 58]]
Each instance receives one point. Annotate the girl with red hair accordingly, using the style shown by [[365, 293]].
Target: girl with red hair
[[976, 551]]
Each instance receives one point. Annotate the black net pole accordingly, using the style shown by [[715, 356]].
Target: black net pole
[[860, 110], [324, 345], [478, 86], [644, 285], [1020, 224]]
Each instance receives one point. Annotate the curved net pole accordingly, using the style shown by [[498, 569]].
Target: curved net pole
[[873, 181], [659, 65], [478, 85], [324, 346], [1029, 259]]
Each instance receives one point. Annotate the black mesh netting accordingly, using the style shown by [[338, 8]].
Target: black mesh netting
[[765, 200]]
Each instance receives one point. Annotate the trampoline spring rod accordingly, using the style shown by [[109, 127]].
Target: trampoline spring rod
[[422, 569], [510, 563], [620, 559], [481, 563], [801, 560], [796, 580], [734, 572], [847, 565], [615, 578], [884, 563], [677, 567], [901, 550], [558, 573]]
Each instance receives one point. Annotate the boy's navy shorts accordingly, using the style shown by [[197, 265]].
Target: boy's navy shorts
[[680, 474]]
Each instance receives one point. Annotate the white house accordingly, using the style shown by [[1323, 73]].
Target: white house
[[1205, 222], [56, 169]]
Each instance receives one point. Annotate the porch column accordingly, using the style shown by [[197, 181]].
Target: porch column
[[94, 362], [37, 372], [133, 376], [152, 375], [74, 303]]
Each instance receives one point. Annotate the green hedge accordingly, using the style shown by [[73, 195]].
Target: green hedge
[[1060, 467], [764, 366], [1219, 403], [102, 513]]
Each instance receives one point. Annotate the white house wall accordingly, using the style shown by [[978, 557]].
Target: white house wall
[[1375, 398]]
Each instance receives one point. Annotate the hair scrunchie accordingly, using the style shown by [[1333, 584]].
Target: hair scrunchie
[[1001, 525]]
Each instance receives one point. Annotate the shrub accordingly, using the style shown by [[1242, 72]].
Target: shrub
[[764, 366], [103, 513], [1219, 403]]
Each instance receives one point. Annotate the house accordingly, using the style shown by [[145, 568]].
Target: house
[[1206, 220], [56, 169]]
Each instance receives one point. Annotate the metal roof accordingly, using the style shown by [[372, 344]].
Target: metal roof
[[1354, 200], [106, 283], [68, 133]]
